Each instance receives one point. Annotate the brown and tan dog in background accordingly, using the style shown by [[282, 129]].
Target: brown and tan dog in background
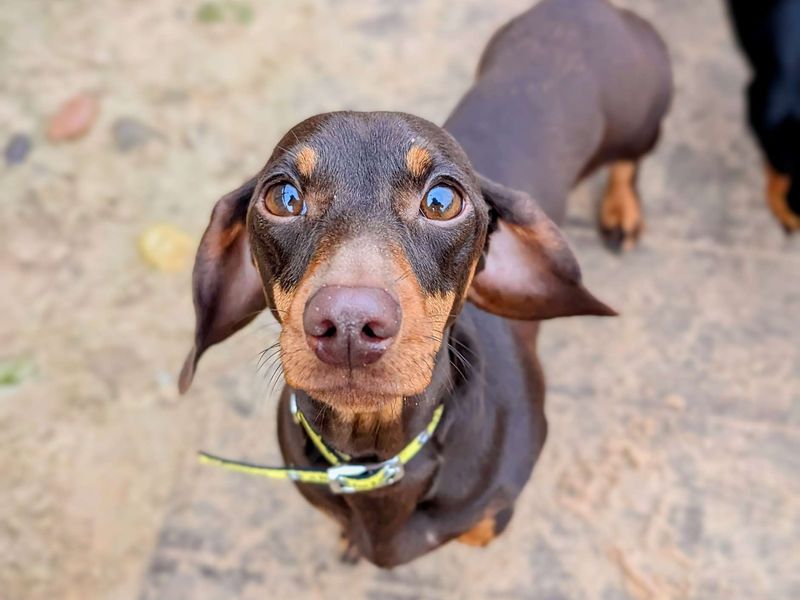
[[409, 266]]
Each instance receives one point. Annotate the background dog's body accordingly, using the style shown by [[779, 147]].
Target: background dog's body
[[562, 89]]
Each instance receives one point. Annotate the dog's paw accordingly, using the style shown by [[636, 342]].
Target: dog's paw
[[777, 192], [348, 553], [620, 220]]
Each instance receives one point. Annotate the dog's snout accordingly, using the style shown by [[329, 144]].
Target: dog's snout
[[351, 326]]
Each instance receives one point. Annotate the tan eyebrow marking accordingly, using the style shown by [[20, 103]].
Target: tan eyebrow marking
[[418, 159], [306, 160]]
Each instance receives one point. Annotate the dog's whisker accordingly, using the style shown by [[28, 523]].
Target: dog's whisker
[[268, 360], [404, 275], [267, 353], [275, 377], [268, 348]]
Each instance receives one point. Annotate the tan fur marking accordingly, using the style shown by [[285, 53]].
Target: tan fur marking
[[438, 307], [306, 160], [471, 278], [777, 189], [419, 307], [481, 534], [418, 159], [388, 411], [283, 299], [620, 210]]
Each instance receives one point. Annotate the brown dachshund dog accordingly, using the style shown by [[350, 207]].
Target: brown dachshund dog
[[409, 265]]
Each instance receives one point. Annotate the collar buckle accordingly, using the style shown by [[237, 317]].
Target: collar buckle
[[340, 477]]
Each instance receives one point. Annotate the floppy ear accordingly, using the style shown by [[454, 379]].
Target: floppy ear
[[225, 283], [529, 271]]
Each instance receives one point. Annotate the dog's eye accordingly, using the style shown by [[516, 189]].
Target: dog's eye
[[441, 203], [283, 200]]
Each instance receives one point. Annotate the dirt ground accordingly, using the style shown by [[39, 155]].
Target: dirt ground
[[672, 468]]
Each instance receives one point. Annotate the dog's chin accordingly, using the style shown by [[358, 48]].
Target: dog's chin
[[357, 391]]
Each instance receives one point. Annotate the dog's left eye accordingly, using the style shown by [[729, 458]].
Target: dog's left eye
[[441, 203], [284, 200]]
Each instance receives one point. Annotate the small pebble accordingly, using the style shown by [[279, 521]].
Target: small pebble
[[74, 118], [130, 133], [675, 402], [166, 247], [17, 149]]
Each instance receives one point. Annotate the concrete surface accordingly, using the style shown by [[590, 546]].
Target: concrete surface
[[672, 469]]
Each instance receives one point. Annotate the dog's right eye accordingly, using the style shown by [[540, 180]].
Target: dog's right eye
[[441, 203], [283, 200]]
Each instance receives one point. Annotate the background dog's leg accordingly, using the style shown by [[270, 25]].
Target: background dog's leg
[[621, 221]]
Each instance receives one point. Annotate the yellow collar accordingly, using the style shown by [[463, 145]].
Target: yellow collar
[[343, 477]]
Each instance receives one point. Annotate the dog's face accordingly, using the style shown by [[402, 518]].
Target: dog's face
[[364, 234], [365, 230]]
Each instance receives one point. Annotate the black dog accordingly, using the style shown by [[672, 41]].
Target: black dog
[[769, 34], [366, 234]]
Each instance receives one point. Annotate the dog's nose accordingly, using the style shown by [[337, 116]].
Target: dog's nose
[[351, 326]]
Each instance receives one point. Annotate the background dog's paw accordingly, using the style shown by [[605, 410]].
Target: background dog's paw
[[620, 218], [620, 222], [777, 199]]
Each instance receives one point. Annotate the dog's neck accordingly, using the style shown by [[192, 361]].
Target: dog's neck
[[380, 435]]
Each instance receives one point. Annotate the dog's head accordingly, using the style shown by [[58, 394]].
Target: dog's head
[[364, 234]]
